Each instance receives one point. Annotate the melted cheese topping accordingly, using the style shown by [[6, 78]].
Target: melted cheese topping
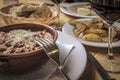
[[18, 41]]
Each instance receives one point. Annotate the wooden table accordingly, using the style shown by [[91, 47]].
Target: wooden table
[[99, 53]]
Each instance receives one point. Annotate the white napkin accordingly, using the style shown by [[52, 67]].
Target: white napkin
[[65, 50]]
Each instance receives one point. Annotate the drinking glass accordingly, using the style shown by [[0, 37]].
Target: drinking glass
[[116, 24], [112, 59], [58, 2], [109, 10]]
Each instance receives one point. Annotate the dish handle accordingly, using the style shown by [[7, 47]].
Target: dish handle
[[3, 61]]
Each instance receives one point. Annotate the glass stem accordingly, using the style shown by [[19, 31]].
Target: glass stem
[[110, 39], [59, 24]]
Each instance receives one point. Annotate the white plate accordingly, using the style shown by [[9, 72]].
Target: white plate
[[75, 67], [67, 11], [67, 28]]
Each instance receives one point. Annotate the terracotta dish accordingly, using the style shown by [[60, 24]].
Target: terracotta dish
[[24, 61]]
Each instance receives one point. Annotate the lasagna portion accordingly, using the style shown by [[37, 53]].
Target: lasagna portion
[[20, 41]]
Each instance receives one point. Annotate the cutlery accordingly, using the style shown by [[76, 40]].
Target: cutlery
[[52, 51]]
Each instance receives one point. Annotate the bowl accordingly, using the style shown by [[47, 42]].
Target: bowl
[[25, 61], [11, 19]]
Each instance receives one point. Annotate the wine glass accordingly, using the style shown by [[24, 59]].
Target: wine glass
[[56, 4], [59, 2], [109, 10], [116, 24]]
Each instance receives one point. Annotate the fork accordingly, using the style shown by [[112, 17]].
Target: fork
[[52, 51]]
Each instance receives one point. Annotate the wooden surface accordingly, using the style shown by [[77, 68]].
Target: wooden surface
[[99, 53]]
